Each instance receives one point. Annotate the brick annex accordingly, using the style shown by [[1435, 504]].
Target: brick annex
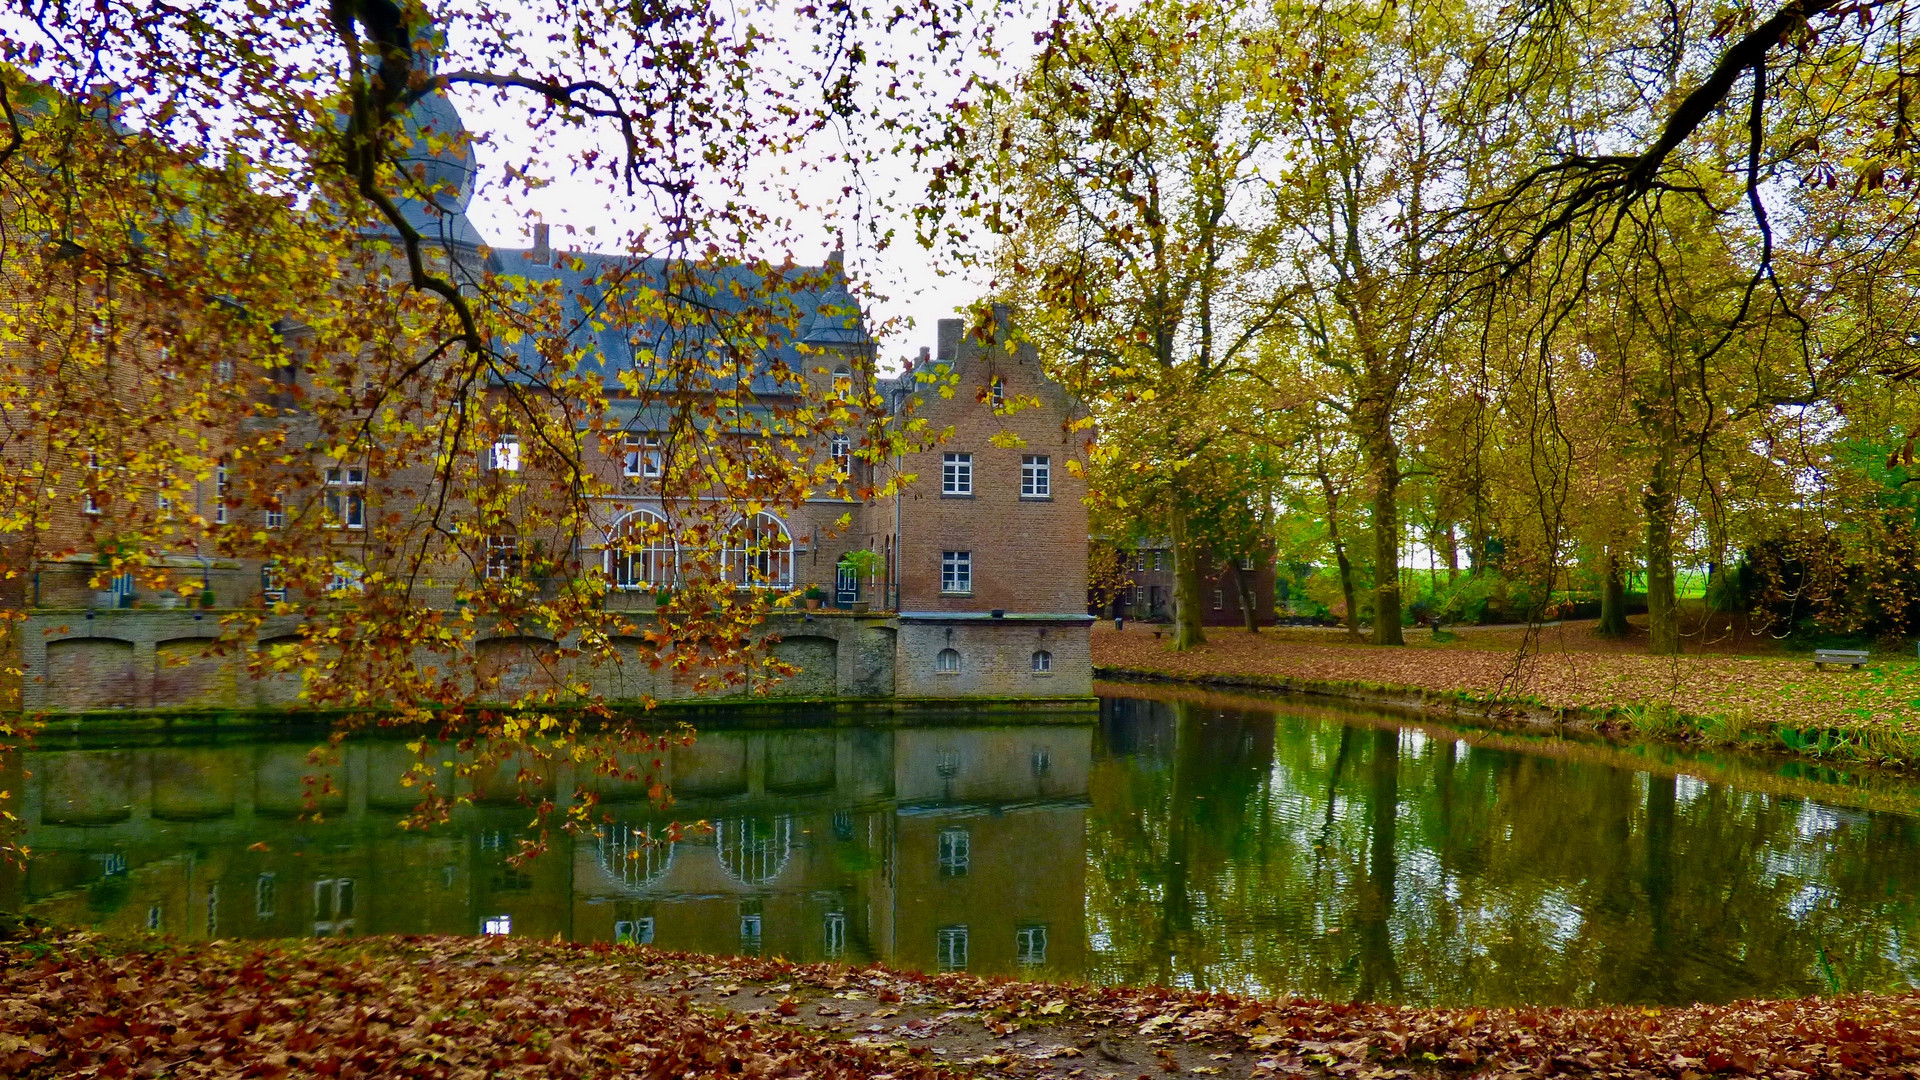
[[979, 589]]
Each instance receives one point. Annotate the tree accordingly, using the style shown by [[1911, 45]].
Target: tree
[[238, 257]]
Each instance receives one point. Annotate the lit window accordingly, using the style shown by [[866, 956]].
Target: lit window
[[264, 888], [947, 662], [956, 474], [642, 456], [836, 934], [1042, 662], [956, 852], [951, 948], [841, 448], [1036, 476], [1030, 946], [503, 557], [497, 925], [1219, 599], [633, 931], [997, 390], [956, 572], [346, 497], [504, 456]]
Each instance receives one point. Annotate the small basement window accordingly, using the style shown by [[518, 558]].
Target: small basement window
[[948, 662], [1042, 662]]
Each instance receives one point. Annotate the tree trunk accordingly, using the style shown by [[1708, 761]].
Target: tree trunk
[[1186, 584], [1613, 602], [1249, 603], [1453, 554], [1386, 547], [1663, 616], [1346, 590]]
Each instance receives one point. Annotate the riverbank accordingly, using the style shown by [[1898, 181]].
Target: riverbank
[[1754, 702], [463, 1007]]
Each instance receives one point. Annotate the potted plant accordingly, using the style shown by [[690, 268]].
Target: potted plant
[[815, 597], [863, 563]]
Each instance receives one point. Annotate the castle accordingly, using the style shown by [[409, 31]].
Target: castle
[[978, 590]]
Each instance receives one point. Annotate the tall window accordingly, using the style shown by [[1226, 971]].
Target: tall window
[[765, 558], [956, 474], [642, 456], [841, 447], [843, 384], [346, 497], [750, 935], [956, 572], [90, 499], [956, 852], [503, 557], [221, 486], [333, 907], [276, 512], [1030, 946], [273, 588], [836, 934], [639, 553], [997, 391], [947, 662], [264, 890], [1219, 599], [504, 455], [950, 948], [1036, 476]]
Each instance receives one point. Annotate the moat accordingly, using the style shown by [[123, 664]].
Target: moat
[[1174, 838]]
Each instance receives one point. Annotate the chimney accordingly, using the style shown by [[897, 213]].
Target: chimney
[[948, 340], [542, 252], [1002, 322]]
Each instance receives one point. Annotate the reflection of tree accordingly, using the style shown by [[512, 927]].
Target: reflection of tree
[[1426, 869]]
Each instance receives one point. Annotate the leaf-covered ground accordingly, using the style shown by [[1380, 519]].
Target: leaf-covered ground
[[1774, 701], [83, 1006]]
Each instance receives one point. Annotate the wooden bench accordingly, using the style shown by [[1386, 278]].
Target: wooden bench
[[1852, 658]]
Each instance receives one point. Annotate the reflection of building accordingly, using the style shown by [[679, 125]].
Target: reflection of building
[[926, 846]]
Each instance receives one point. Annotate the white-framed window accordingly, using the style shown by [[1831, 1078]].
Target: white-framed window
[[764, 559], [950, 948], [276, 512], [956, 474], [1042, 662], [836, 934], [997, 392], [347, 578], [333, 907], [641, 457], [1140, 562], [640, 555], [273, 588], [1036, 476], [1246, 563], [222, 484], [1219, 599], [497, 925], [750, 937], [843, 383], [1030, 946], [956, 572], [947, 662], [265, 888], [90, 498], [223, 370], [841, 447], [503, 556], [633, 931], [163, 502], [346, 496], [956, 852], [504, 454]]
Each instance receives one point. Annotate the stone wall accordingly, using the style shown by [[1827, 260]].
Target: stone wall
[[995, 657]]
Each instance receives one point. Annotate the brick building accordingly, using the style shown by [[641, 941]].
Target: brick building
[[977, 592], [1227, 586]]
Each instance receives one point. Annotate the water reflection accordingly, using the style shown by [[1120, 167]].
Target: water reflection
[[1184, 840]]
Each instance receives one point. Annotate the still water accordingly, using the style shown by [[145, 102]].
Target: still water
[[1180, 839]]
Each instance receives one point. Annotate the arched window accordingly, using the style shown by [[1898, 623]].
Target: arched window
[[948, 662], [640, 554], [1042, 661], [764, 559]]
